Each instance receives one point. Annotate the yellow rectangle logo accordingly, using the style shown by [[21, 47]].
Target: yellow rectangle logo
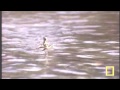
[[109, 70]]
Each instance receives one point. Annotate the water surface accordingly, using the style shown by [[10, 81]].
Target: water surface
[[84, 43]]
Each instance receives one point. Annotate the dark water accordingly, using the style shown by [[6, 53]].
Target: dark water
[[84, 43]]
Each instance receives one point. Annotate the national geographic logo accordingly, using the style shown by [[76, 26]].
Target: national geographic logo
[[109, 70]]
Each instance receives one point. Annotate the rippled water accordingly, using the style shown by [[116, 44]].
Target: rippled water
[[84, 43]]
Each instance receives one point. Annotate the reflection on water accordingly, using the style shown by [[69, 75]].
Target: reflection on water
[[84, 43]]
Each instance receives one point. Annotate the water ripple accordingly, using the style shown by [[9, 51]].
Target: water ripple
[[90, 42], [16, 60], [48, 75], [31, 69], [85, 56], [70, 72]]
